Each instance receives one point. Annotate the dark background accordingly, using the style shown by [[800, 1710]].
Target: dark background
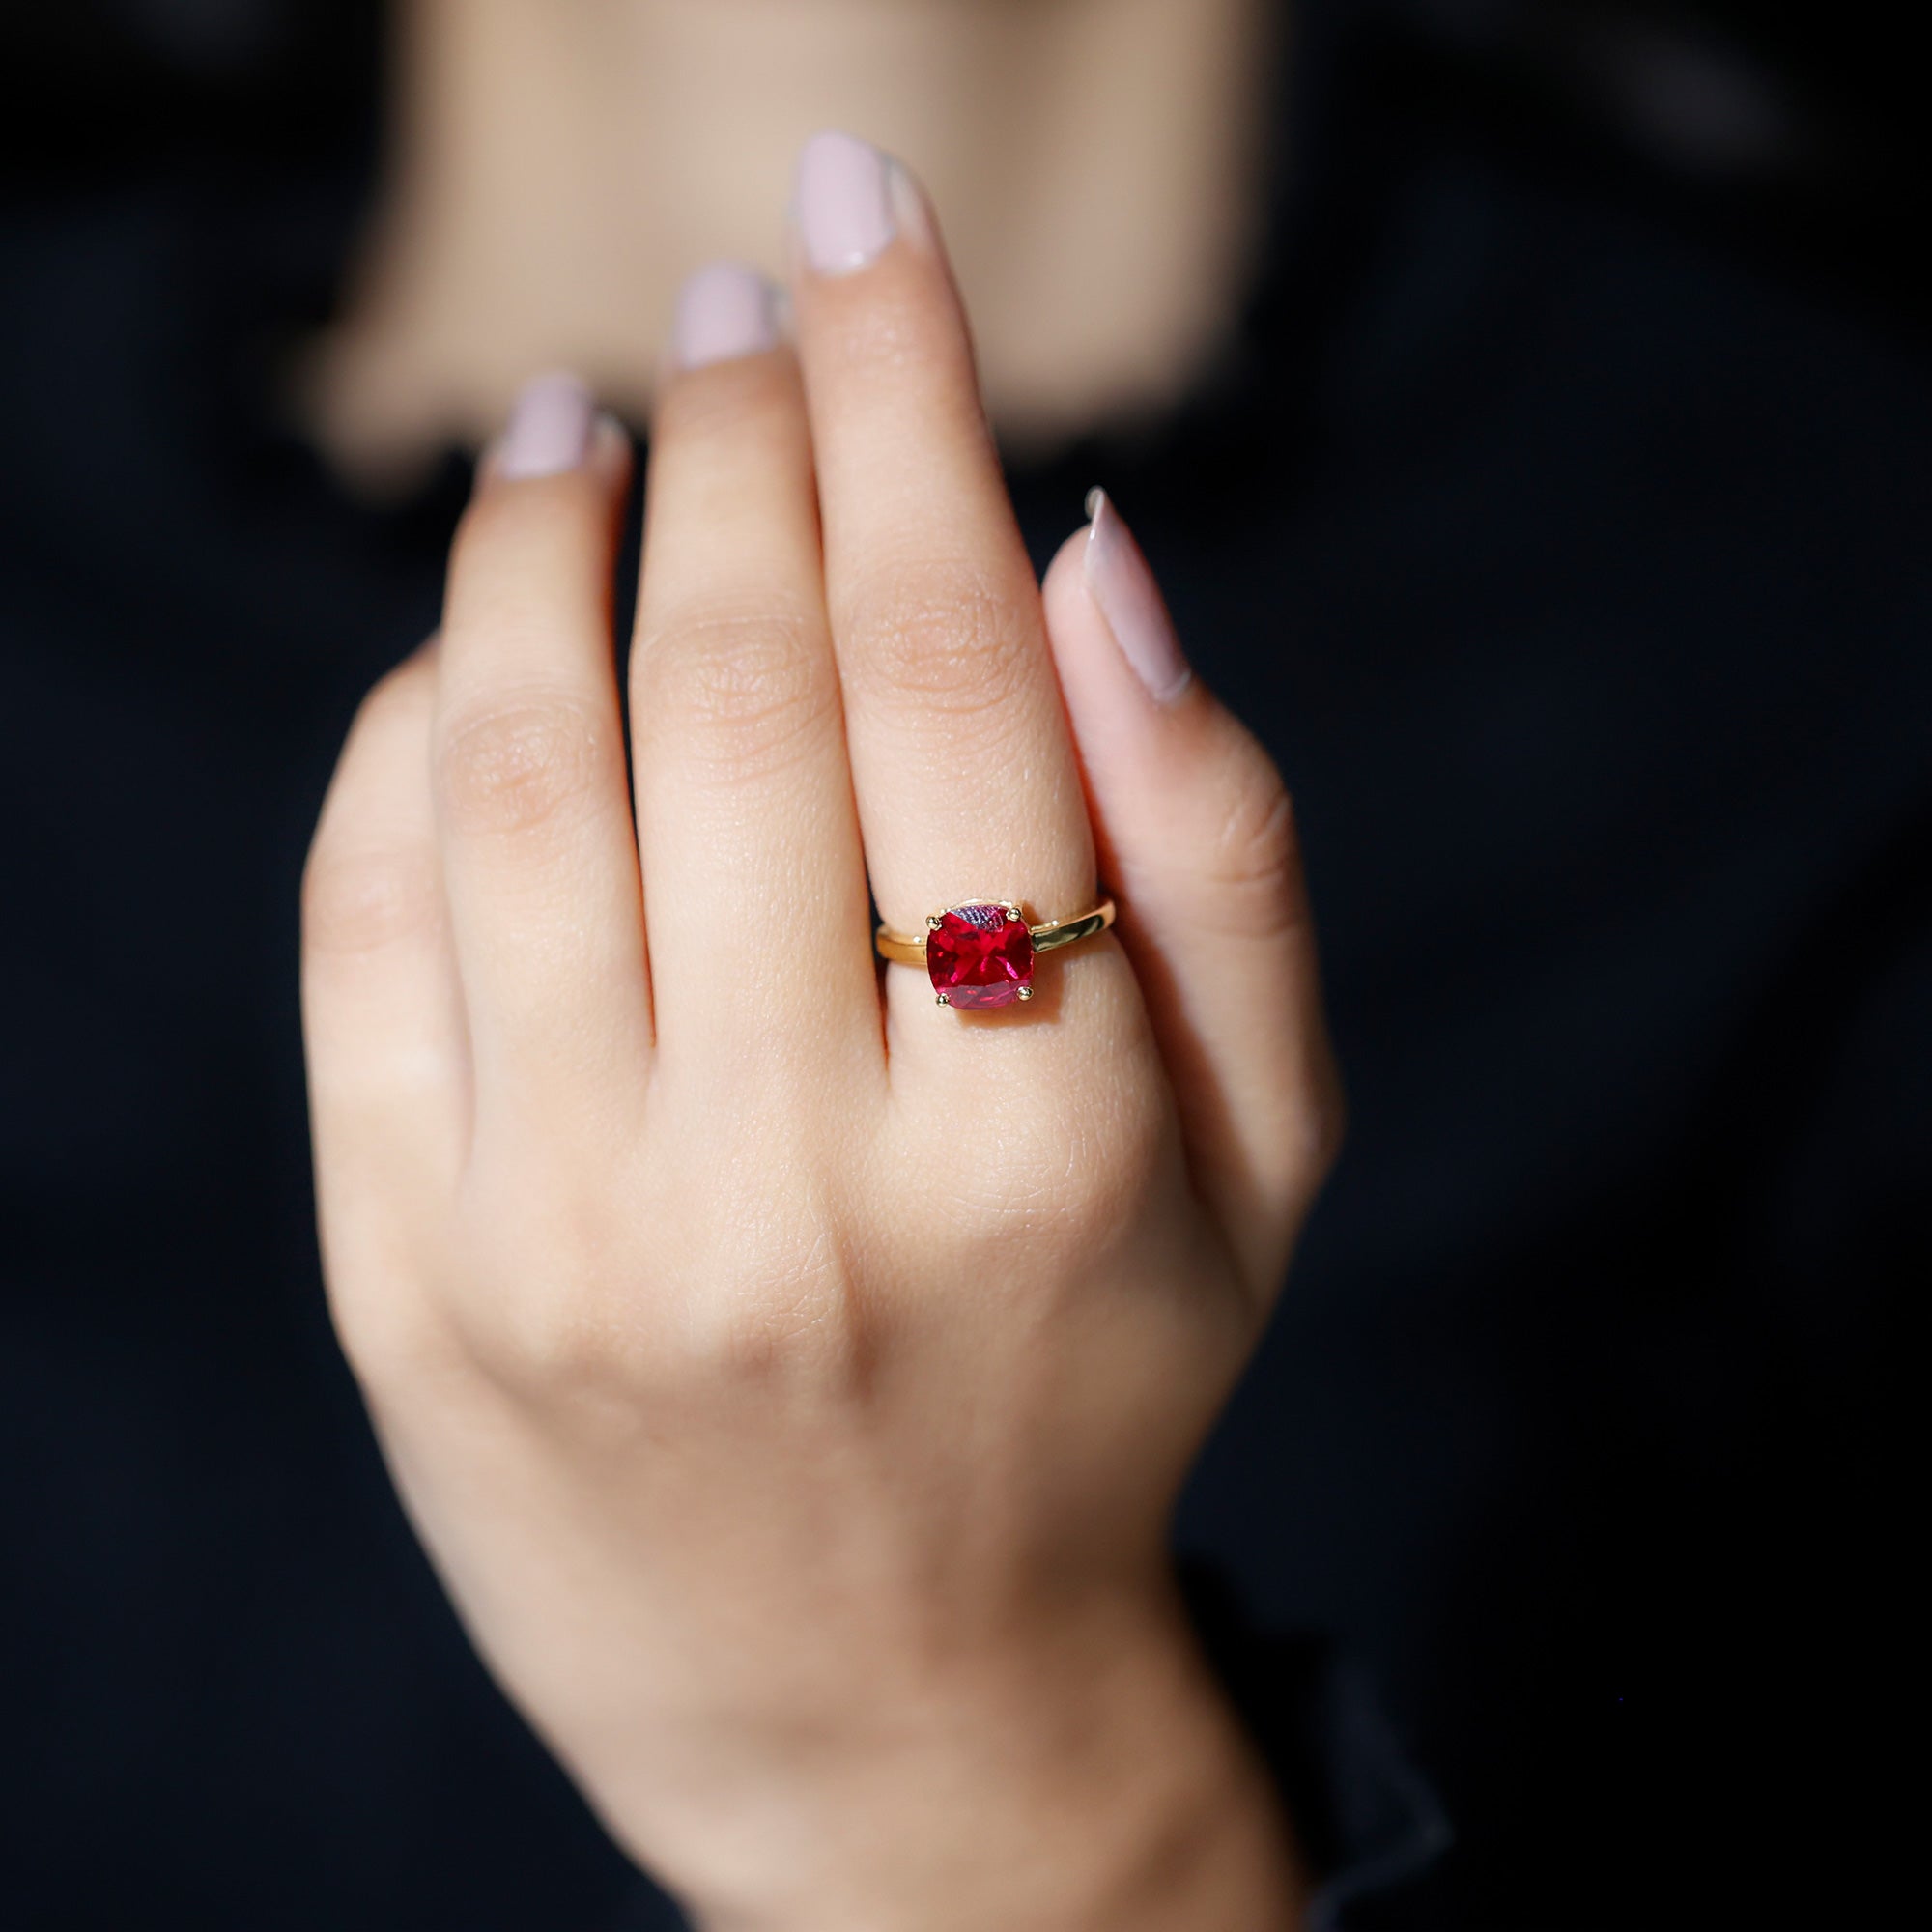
[[1560, 521]]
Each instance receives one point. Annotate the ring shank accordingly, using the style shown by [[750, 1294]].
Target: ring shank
[[903, 949]]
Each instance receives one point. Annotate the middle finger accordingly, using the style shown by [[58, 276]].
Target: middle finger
[[757, 885]]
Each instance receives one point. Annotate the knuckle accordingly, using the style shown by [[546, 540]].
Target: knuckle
[[785, 1314], [549, 1327], [518, 766], [359, 893], [594, 1326], [556, 1345], [945, 645], [357, 902], [1253, 857], [396, 1342], [745, 690]]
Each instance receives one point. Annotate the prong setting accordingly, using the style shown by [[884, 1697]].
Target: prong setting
[[979, 954]]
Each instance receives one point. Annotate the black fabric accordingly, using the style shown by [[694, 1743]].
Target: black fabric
[[1567, 546], [1366, 1824]]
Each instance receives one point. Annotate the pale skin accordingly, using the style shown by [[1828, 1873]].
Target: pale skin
[[792, 1380]]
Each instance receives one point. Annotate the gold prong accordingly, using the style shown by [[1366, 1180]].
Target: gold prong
[[1026, 992], [932, 920], [940, 1000], [1012, 913]]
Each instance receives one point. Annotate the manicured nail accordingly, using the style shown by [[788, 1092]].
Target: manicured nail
[[549, 430], [844, 203], [1130, 601], [724, 311]]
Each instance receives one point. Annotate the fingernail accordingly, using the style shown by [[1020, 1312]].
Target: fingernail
[[844, 203], [549, 431], [1130, 601], [724, 311]]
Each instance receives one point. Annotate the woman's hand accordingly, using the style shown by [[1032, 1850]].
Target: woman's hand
[[790, 1378]]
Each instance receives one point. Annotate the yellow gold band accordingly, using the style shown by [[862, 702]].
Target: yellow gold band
[[903, 949]]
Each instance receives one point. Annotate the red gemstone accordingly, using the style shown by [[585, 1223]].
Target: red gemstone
[[980, 955]]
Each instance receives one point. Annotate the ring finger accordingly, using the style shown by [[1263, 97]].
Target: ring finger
[[965, 771]]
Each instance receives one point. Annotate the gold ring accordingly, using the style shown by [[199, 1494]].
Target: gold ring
[[979, 953]]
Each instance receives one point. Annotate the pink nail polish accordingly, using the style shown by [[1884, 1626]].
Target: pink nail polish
[[549, 430], [1130, 600], [724, 311], [844, 203]]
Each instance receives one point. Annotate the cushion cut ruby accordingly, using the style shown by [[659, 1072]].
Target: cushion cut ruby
[[980, 955]]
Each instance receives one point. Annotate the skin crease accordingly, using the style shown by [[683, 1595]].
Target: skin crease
[[792, 1382], [556, 170]]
